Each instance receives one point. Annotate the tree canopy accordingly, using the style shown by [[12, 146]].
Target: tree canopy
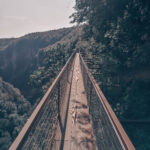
[[118, 32]]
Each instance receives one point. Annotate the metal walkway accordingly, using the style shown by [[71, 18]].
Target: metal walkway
[[73, 115], [79, 133]]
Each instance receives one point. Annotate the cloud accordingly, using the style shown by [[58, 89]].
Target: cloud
[[17, 18], [21, 17], [14, 19]]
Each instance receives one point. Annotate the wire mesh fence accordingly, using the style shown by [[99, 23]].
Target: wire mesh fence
[[106, 136], [40, 129]]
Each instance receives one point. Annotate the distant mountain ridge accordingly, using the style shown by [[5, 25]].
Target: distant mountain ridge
[[4, 43], [19, 57], [14, 110]]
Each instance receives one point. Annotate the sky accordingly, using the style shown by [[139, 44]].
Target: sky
[[19, 17]]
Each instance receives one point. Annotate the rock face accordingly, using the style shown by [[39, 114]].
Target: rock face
[[14, 109]]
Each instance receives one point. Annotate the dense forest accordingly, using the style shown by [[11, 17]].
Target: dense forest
[[14, 110], [113, 36], [119, 58]]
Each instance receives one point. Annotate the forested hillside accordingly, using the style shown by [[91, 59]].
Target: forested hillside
[[119, 57], [20, 57], [14, 110]]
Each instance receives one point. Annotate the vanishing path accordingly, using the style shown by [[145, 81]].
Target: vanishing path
[[79, 133]]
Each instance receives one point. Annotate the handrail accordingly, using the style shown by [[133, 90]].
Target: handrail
[[25, 130], [120, 131]]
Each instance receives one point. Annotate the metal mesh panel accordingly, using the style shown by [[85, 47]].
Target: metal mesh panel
[[104, 131], [41, 129], [44, 126]]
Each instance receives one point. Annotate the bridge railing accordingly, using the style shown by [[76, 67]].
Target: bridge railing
[[108, 131], [39, 131]]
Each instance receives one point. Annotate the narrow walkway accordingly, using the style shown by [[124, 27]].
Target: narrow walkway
[[79, 133]]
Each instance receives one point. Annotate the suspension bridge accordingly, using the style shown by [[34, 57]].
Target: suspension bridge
[[73, 115]]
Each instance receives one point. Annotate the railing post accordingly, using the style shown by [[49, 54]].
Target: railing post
[[90, 95], [67, 75], [58, 108]]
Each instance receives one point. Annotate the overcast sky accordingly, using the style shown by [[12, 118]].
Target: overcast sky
[[19, 17]]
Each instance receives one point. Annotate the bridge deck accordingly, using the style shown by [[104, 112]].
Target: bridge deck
[[79, 132]]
